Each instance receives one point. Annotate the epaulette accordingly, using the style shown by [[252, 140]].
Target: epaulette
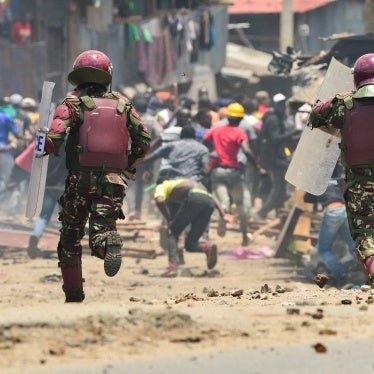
[[347, 98]]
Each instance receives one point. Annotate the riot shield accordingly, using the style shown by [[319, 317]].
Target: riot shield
[[318, 150], [40, 162]]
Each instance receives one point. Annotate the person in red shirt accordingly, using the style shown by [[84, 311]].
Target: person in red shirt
[[21, 30], [227, 174]]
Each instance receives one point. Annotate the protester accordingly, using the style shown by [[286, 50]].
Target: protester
[[202, 123], [7, 126], [23, 123], [227, 176], [98, 163], [144, 172], [252, 126], [56, 174], [274, 138], [166, 116], [183, 203], [21, 29], [185, 158], [334, 224], [263, 101], [353, 114], [204, 103]]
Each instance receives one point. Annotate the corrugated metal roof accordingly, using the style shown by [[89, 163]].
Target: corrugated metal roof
[[274, 6]]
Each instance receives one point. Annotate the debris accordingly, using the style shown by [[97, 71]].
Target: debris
[[365, 288], [265, 288], [327, 332], [213, 293], [189, 296], [320, 348], [346, 302], [57, 351], [196, 339], [245, 253], [293, 311], [279, 289], [237, 293], [320, 280], [256, 295], [51, 278]]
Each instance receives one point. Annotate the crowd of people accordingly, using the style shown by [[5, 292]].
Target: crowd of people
[[229, 154]]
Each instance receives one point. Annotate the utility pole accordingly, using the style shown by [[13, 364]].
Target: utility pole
[[286, 26], [369, 16]]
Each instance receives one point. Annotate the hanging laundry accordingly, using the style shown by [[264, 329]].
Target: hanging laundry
[[133, 34], [207, 30]]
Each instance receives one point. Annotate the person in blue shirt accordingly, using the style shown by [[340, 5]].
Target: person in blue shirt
[[7, 126]]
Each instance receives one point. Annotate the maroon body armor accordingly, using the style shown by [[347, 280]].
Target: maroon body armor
[[358, 133], [103, 136]]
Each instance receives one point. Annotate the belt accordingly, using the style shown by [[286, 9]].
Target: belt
[[336, 204], [201, 191]]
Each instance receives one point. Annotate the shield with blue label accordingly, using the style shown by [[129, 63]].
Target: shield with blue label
[[39, 166]]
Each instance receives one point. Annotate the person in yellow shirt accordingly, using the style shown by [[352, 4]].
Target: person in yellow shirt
[[183, 203]]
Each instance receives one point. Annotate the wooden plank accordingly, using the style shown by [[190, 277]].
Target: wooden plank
[[286, 234], [266, 227], [303, 225]]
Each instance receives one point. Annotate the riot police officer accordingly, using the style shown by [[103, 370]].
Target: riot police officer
[[353, 114], [100, 124]]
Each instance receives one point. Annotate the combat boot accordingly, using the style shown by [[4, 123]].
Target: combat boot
[[112, 258]]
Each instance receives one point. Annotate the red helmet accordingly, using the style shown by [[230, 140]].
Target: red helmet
[[363, 70], [91, 67]]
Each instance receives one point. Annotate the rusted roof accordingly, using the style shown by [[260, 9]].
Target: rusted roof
[[274, 6]]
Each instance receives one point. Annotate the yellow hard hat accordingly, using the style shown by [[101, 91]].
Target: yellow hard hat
[[235, 110]]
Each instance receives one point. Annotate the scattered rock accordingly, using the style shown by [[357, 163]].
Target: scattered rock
[[266, 288], [279, 289], [57, 351], [51, 278], [320, 348], [237, 293], [137, 284], [320, 280], [365, 288], [346, 302], [293, 311], [327, 332], [189, 296], [213, 293], [256, 295]]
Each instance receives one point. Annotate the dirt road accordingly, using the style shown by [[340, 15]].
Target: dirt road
[[249, 304]]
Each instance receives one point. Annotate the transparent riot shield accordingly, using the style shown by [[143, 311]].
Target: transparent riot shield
[[318, 150]]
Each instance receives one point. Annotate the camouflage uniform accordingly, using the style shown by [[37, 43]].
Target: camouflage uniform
[[93, 194], [359, 189]]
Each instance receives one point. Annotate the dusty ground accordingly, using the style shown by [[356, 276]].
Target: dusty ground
[[241, 303]]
